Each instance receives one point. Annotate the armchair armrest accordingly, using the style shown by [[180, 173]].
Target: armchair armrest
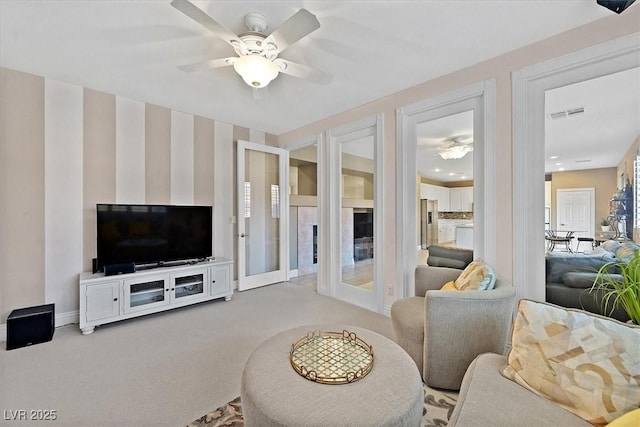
[[432, 278], [460, 325]]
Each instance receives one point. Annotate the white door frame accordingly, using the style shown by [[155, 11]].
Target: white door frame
[[529, 86], [370, 126], [249, 282], [480, 98], [318, 139]]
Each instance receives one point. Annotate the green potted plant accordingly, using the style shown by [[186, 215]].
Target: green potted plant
[[621, 289], [605, 224]]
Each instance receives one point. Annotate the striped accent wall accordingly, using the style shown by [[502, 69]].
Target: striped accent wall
[[64, 148]]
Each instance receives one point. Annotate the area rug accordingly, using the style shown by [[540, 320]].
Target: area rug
[[438, 406]]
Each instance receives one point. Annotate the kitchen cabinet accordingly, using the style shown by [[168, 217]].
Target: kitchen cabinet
[[461, 199], [446, 232], [436, 192]]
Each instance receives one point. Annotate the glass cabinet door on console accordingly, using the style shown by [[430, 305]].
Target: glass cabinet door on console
[[142, 294], [186, 287]]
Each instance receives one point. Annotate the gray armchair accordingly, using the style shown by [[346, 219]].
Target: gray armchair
[[443, 331]]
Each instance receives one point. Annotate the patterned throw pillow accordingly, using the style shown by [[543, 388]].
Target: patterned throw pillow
[[477, 276], [588, 364]]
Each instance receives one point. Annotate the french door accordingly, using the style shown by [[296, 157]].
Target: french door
[[262, 215]]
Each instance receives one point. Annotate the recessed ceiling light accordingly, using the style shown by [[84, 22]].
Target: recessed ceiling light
[[553, 157], [451, 174], [561, 169], [437, 170], [559, 163]]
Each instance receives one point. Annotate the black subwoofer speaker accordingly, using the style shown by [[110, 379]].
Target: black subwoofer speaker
[[31, 325]]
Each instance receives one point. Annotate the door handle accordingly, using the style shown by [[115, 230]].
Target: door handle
[[244, 235]]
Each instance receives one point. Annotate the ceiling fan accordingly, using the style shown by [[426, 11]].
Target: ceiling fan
[[459, 147], [257, 60]]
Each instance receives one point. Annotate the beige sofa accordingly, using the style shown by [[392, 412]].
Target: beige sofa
[[566, 367], [483, 387]]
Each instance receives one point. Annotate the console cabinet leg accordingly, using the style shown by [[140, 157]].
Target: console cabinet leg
[[87, 330]]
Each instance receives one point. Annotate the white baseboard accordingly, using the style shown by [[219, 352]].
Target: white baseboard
[[61, 319]]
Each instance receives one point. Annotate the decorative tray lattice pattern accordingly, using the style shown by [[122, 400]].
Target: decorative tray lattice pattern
[[331, 357]]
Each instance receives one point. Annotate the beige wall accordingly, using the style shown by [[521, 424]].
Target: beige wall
[[499, 69], [21, 191], [29, 251], [602, 180]]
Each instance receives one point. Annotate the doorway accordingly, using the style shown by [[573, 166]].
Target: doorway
[[529, 86], [479, 98], [304, 214], [263, 219], [355, 210]]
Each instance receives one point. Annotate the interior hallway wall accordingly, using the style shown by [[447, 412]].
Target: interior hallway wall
[[500, 69]]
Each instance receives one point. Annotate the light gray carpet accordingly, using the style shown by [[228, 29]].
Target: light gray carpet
[[165, 369], [438, 407]]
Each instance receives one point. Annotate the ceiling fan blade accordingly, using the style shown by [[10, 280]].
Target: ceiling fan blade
[[299, 25], [195, 13], [301, 71], [207, 65]]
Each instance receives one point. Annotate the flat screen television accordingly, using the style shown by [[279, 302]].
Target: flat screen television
[[152, 234]]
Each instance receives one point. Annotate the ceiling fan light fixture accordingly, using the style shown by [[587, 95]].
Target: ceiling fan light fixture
[[455, 151], [257, 71]]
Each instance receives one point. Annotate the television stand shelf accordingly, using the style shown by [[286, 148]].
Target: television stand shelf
[[106, 299]]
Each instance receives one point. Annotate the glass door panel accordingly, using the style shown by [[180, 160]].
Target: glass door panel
[[188, 287], [261, 176], [151, 292], [358, 178]]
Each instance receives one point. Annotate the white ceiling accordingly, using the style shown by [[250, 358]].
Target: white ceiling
[[369, 48], [599, 138]]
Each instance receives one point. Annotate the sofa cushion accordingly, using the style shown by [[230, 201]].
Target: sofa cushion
[[587, 364], [558, 264], [579, 279], [477, 276], [449, 286], [626, 250], [630, 419], [446, 256], [610, 245]]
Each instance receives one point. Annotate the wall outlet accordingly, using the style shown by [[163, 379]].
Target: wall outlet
[[390, 291]]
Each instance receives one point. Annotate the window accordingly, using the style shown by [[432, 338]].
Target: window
[[275, 201], [247, 200]]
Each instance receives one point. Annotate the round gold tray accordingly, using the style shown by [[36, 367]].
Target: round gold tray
[[331, 357]]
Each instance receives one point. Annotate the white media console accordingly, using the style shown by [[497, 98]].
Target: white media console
[[106, 299]]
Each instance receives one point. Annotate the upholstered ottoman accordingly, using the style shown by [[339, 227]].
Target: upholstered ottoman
[[273, 394]]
